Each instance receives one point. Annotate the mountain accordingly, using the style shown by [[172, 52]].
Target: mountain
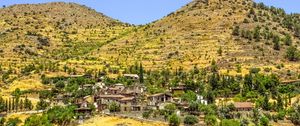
[[238, 34], [53, 30], [202, 31]]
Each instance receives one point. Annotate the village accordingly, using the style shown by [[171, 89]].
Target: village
[[134, 101], [196, 97]]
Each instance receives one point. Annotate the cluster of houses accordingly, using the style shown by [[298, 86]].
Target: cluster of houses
[[134, 98]]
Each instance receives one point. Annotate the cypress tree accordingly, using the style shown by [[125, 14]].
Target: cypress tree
[[13, 104], [141, 76], [9, 105], [21, 105]]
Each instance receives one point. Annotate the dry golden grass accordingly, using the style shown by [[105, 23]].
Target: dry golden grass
[[22, 117], [26, 83], [113, 121]]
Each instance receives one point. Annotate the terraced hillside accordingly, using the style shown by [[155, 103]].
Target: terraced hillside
[[238, 34], [55, 31], [202, 31]]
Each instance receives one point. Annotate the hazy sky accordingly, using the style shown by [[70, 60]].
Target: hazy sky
[[146, 11]]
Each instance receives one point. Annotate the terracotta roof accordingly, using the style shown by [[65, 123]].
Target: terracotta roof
[[243, 105]]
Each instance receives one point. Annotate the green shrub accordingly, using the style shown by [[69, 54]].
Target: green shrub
[[230, 122], [191, 120], [174, 120], [264, 121], [114, 107]]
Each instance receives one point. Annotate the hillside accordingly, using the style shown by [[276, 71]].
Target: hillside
[[202, 31], [53, 30], [196, 34]]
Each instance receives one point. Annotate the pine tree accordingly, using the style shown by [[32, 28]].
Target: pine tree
[[288, 40], [276, 41], [256, 34], [292, 53]]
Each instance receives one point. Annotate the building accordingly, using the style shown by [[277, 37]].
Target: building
[[133, 77], [130, 104], [243, 106], [103, 101], [179, 90], [157, 101], [115, 89]]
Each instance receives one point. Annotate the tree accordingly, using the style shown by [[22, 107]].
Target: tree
[[236, 31], [190, 120], [255, 116], [42, 105], [265, 103], [288, 40], [210, 96], [146, 114], [276, 41], [230, 122], [295, 114], [211, 120], [264, 121], [2, 121], [189, 96], [2, 105], [214, 67], [297, 31], [252, 12], [36, 120], [244, 122], [193, 107], [13, 122], [292, 53], [220, 51], [256, 34], [279, 103], [141, 72], [61, 115], [114, 107], [60, 85], [174, 120], [27, 104], [170, 108], [21, 106]]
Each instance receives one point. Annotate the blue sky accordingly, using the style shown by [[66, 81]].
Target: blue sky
[[146, 11]]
